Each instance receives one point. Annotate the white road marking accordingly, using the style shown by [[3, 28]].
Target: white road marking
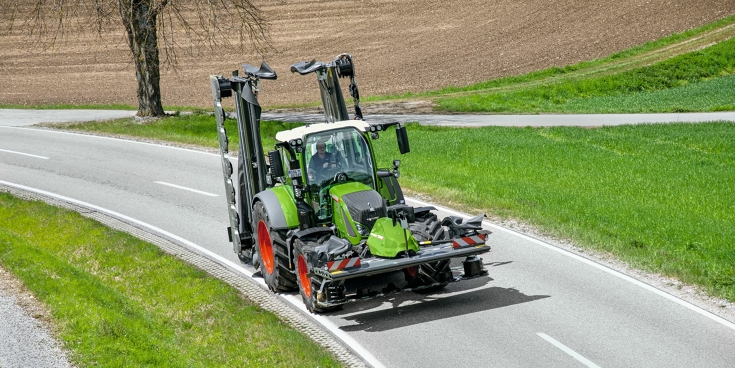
[[295, 300], [567, 350], [594, 264], [185, 188], [24, 154]]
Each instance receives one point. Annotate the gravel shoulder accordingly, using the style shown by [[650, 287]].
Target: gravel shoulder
[[26, 330]]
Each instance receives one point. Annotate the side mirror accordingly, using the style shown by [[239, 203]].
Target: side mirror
[[276, 164], [402, 137]]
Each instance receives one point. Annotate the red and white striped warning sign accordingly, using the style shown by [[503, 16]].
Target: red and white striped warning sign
[[469, 240], [344, 263]]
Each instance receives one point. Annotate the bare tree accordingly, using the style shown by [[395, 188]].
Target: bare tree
[[146, 22]]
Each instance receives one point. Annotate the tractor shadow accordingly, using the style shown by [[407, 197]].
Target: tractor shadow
[[410, 308]]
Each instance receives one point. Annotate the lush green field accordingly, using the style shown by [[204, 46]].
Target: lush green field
[[120, 302], [657, 196]]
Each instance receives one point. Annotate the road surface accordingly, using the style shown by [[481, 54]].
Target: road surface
[[540, 306]]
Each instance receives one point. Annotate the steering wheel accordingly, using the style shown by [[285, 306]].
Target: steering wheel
[[340, 177]]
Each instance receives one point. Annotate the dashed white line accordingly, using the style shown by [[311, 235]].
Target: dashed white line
[[567, 350], [185, 188], [24, 154]]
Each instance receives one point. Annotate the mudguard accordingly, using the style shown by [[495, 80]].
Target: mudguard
[[282, 213]]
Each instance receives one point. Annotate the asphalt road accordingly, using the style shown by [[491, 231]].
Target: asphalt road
[[546, 120], [20, 117], [540, 306]]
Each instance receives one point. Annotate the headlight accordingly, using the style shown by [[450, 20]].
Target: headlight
[[364, 231]]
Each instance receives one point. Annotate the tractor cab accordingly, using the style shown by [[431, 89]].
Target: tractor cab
[[333, 158], [336, 160]]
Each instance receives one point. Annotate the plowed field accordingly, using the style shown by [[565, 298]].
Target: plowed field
[[398, 46]]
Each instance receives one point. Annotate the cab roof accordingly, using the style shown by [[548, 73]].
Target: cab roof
[[300, 132]]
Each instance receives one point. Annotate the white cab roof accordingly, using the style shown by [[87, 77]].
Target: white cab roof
[[300, 132]]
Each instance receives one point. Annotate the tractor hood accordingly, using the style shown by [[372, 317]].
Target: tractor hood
[[365, 207], [361, 212], [363, 204]]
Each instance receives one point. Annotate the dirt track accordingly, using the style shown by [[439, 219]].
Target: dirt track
[[398, 46]]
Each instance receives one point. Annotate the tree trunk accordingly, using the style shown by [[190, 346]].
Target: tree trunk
[[139, 19]]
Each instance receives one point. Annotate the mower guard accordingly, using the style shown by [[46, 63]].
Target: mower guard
[[376, 266]]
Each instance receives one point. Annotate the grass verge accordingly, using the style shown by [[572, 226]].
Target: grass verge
[[119, 301]]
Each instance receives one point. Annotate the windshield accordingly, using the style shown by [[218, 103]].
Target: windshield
[[334, 157]]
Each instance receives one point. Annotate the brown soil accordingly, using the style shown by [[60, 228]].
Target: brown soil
[[398, 46]]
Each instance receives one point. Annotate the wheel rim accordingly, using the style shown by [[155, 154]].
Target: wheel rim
[[304, 281], [266, 247], [412, 271]]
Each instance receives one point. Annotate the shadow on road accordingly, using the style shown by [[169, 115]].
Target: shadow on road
[[430, 307]]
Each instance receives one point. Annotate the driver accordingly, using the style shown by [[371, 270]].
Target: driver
[[322, 162]]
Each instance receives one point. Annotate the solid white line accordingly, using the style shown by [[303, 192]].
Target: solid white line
[[326, 323], [567, 350], [185, 188], [24, 154], [594, 264]]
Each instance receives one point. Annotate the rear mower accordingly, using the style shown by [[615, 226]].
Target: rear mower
[[319, 215]]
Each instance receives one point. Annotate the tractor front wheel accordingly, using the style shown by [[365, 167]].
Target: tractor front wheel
[[308, 286]]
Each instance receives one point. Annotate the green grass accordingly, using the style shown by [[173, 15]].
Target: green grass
[[661, 197], [632, 88], [709, 95], [119, 301]]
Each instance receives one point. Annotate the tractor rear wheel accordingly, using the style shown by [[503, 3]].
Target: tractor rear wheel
[[272, 253], [308, 286]]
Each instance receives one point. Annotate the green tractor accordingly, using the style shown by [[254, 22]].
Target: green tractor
[[319, 215]]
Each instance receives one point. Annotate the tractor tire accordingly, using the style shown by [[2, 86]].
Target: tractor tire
[[426, 227], [308, 286], [272, 254]]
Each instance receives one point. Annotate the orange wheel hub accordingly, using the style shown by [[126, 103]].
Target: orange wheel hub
[[266, 248], [303, 279]]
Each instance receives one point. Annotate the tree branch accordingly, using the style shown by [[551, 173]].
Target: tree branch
[[157, 10]]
